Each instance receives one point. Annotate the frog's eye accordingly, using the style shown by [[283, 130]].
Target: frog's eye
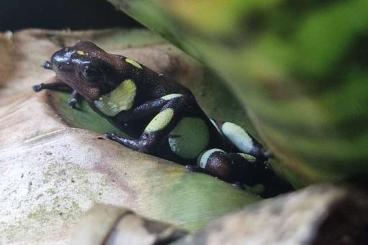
[[90, 73]]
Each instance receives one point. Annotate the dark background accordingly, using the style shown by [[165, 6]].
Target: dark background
[[60, 14]]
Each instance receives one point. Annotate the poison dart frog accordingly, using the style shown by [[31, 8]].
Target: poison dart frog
[[160, 117]]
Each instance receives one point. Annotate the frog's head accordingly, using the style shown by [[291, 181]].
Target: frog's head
[[86, 68]]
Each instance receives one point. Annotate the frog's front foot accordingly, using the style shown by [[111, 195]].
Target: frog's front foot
[[37, 87], [111, 136], [120, 139], [73, 99], [72, 102]]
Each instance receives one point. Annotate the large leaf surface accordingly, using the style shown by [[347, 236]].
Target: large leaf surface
[[54, 164]]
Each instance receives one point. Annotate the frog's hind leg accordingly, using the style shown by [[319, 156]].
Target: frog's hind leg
[[231, 167], [243, 169], [241, 139], [247, 162]]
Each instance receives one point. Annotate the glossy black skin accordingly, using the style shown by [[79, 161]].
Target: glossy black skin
[[90, 72]]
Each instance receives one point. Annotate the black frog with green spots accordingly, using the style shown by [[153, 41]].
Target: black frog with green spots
[[160, 117]]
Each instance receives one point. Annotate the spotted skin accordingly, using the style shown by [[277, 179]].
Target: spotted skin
[[160, 117]]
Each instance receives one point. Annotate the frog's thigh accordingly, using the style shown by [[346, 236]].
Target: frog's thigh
[[189, 138], [207, 156], [238, 136], [217, 163]]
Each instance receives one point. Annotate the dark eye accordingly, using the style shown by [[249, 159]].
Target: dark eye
[[91, 73]]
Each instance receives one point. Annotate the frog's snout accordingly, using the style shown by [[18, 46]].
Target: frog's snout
[[60, 60]]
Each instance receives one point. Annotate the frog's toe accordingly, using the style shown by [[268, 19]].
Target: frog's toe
[[37, 87], [47, 65], [72, 102], [110, 136]]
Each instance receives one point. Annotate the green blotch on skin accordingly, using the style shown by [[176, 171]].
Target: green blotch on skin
[[133, 63], [189, 138], [120, 99], [160, 121]]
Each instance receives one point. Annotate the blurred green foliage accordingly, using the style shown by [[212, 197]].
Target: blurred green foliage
[[299, 67]]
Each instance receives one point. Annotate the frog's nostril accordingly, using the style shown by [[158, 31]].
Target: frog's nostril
[[47, 65], [60, 57], [57, 61]]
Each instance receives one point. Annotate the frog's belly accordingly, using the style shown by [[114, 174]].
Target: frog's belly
[[189, 138]]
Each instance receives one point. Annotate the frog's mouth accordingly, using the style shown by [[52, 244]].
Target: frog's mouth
[[56, 67], [88, 92]]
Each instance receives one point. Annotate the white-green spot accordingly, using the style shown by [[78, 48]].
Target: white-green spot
[[171, 96], [160, 121], [203, 158], [133, 63], [80, 52], [120, 99], [248, 157], [189, 138], [238, 136]]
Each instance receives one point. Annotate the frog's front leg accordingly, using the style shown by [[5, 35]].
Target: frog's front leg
[[146, 109], [52, 84], [162, 123], [57, 85]]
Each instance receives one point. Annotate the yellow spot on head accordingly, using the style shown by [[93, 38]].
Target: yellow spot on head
[[80, 52], [160, 121], [133, 63]]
